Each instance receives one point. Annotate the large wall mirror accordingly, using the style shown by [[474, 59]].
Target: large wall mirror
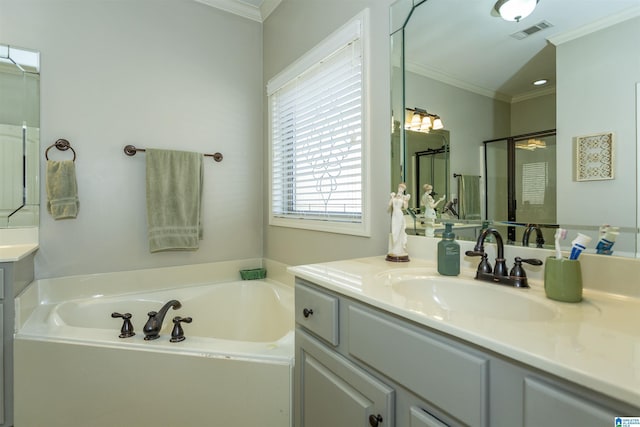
[[561, 152], [19, 137]]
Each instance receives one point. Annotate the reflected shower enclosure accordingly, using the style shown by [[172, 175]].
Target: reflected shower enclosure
[[19, 137], [520, 183], [425, 157]]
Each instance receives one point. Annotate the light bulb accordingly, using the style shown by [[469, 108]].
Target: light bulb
[[437, 123], [426, 124]]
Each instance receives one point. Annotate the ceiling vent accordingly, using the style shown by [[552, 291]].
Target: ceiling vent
[[542, 25]]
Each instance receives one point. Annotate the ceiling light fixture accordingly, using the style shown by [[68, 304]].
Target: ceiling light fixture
[[540, 82], [515, 10], [419, 120], [531, 144]]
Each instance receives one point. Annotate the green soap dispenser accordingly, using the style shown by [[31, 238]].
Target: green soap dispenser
[[448, 253]]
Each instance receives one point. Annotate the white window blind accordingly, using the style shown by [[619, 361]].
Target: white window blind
[[535, 179], [316, 120]]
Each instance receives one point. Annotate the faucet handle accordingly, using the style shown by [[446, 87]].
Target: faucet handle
[[475, 253], [517, 273], [177, 334], [530, 261], [127, 328], [484, 267]]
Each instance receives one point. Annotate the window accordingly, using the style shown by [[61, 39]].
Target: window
[[535, 179], [317, 137]]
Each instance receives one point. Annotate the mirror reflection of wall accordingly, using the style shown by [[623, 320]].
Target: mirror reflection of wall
[[19, 137], [427, 163], [480, 79]]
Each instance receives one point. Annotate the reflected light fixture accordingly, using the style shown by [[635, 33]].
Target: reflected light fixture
[[515, 10], [540, 82], [419, 120], [531, 144]]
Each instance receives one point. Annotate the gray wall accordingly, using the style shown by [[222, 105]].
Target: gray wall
[[291, 30], [172, 74], [471, 118], [533, 115], [608, 63]]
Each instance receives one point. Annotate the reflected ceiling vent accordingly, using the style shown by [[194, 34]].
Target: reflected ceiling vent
[[542, 25]]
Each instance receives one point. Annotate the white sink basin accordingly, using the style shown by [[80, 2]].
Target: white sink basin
[[451, 298]]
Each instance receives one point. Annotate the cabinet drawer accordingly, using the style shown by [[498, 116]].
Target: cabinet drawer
[[317, 312], [451, 378]]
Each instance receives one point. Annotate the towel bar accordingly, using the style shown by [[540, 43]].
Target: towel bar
[[130, 150], [62, 145]]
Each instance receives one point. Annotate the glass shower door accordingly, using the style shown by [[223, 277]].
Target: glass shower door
[[520, 182]]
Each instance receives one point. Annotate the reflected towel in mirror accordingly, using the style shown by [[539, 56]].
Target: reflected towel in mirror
[[62, 189], [469, 196], [174, 193]]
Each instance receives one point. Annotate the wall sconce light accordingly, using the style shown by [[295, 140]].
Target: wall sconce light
[[515, 10], [417, 119]]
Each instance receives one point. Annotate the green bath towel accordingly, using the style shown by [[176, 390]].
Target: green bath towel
[[174, 192], [469, 196], [62, 189]]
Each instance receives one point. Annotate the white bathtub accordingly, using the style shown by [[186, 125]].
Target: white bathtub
[[233, 369], [244, 318]]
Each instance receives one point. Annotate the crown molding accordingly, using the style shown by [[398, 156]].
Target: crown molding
[[445, 78], [245, 10], [268, 6], [534, 94], [235, 7], [594, 26]]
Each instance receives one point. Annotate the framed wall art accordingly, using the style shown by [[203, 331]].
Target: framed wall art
[[595, 156]]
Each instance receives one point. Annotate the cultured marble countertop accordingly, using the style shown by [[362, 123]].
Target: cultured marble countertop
[[594, 343], [11, 253]]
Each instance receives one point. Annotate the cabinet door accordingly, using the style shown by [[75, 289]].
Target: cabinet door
[[2, 395], [546, 405], [334, 392], [421, 418]]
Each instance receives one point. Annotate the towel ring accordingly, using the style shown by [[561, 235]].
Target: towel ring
[[62, 145]]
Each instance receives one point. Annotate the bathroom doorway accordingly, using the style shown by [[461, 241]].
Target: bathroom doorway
[[520, 182]]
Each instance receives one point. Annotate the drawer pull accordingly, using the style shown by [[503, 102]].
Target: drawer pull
[[374, 420], [307, 312]]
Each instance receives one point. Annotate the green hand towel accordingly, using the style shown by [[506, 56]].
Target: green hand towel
[[469, 196], [174, 192], [62, 189]]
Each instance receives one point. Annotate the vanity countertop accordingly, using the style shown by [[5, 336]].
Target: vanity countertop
[[595, 343], [12, 253]]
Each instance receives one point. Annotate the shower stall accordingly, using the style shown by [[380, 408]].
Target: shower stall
[[520, 183]]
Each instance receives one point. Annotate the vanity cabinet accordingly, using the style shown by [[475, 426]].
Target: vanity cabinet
[[358, 365], [14, 277]]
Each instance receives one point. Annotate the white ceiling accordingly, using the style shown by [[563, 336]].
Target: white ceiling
[[465, 43], [257, 10], [472, 48]]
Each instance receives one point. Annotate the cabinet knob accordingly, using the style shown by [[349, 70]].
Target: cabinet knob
[[374, 420], [307, 312]]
